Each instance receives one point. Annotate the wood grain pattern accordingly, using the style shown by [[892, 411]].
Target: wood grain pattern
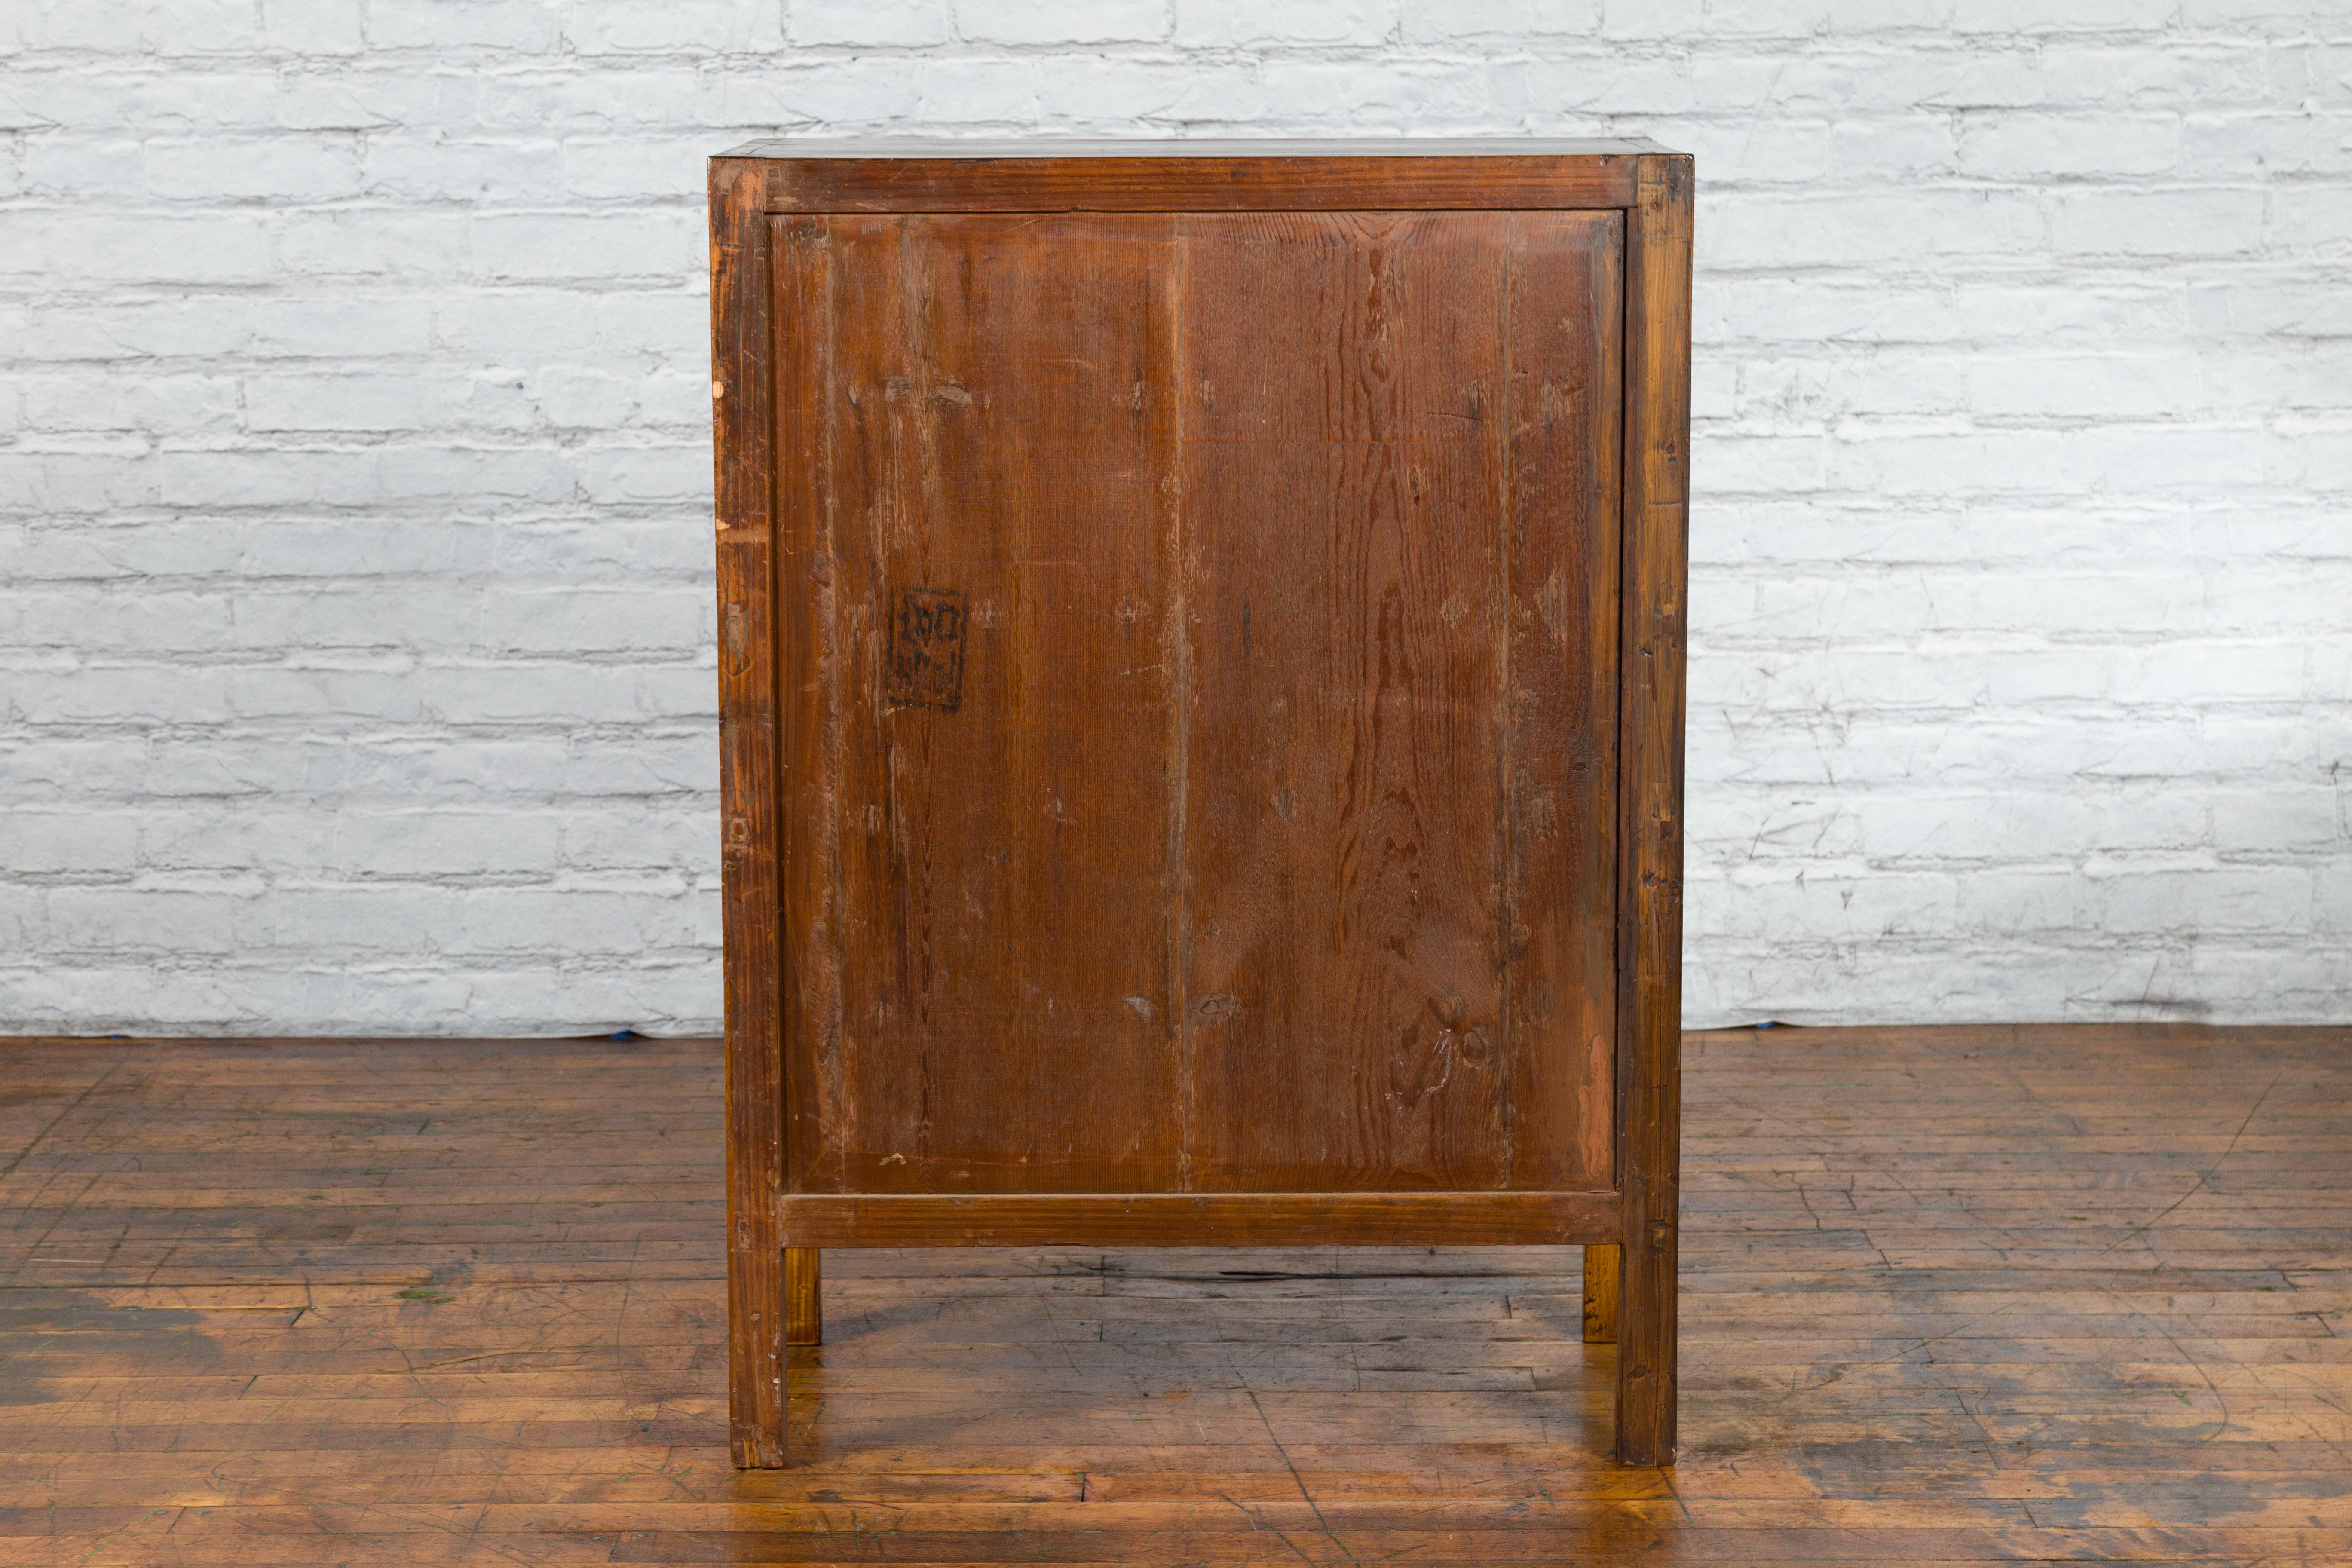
[[1214, 629], [1649, 902], [1562, 408], [1255, 1219], [803, 1295], [1971, 1296], [1204, 177], [1352, 473], [1343, 861], [808, 764], [751, 825], [1603, 1265], [1204, 880], [999, 922]]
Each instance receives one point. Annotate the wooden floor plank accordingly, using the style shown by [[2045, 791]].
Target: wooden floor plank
[[2075, 1293]]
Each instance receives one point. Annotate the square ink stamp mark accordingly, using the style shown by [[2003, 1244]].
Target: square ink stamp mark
[[926, 627]]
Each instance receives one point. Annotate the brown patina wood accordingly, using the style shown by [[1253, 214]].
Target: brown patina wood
[[1201, 698]]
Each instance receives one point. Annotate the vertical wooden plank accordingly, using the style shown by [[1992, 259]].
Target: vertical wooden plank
[[803, 1298], [1002, 411], [747, 812], [1600, 1275], [1342, 474], [1649, 1083], [809, 660], [1562, 408]]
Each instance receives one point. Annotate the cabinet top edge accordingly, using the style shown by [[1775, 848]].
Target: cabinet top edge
[[1047, 149]]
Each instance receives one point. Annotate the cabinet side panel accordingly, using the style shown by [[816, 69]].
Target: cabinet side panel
[[1343, 486], [1657, 491], [1563, 411], [1001, 423], [800, 262], [748, 817]]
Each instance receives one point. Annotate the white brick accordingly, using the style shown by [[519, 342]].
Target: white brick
[[445, 843], [2229, 145], [577, 920], [486, 476], [514, 325], [962, 93], [1935, 464], [627, 95], [1850, 81], [364, 242], [2006, 17], [155, 623], [2316, 221], [574, 621], [289, 843], [2040, 146], [1665, 19], [603, 547], [1755, 232], [1507, 21], [367, 101], [192, 325], [373, 918], [264, 479], [383, 400], [354, 476], [2169, 223], [1121, 92], [1228, 24], [46, 843], [132, 26], [828, 96], [57, 166], [507, 169], [638, 168], [348, 325], [313, 29], [1356, 97], [2211, 74], [520, 25], [677, 27], [312, 619], [1061, 21], [173, 405], [1552, 93], [523, 246], [214, 248], [2080, 387], [272, 693], [591, 398], [285, 168], [248, 765], [1801, 19], [867, 22], [165, 922]]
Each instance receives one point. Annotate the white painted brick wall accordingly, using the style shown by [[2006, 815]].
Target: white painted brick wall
[[353, 472]]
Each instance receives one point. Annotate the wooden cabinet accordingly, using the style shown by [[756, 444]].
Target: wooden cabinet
[[1200, 650]]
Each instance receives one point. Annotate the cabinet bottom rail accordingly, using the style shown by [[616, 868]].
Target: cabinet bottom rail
[[1203, 1219]]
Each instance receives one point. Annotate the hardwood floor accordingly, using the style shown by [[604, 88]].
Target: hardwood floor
[[1963, 1295]]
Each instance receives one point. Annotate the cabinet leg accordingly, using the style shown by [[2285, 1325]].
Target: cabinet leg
[[1601, 1261], [804, 1313], [755, 1356], [1647, 1347]]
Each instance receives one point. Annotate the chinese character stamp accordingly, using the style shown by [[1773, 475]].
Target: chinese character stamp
[[926, 627]]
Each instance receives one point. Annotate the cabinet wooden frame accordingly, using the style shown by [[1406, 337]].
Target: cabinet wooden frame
[[771, 1305]]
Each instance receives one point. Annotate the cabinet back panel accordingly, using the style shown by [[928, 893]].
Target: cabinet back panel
[[1201, 699]]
